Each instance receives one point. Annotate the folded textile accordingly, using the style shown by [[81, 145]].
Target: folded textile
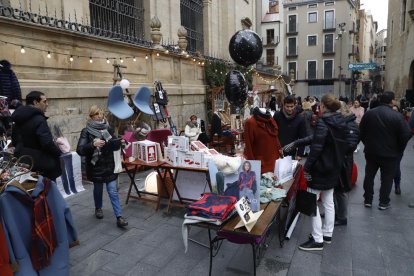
[[212, 206]]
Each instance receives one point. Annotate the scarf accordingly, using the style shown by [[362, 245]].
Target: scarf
[[98, 130], [291, 116], [44, 238]]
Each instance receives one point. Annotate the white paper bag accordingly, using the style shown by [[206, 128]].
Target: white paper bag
[[118, 161], [283, 169]]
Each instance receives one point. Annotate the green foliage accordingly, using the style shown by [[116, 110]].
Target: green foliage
[[215, 73]]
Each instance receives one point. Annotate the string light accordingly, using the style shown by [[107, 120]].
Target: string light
[[70, 57]]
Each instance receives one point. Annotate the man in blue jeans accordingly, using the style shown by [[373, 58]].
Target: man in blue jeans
[[385, 134]]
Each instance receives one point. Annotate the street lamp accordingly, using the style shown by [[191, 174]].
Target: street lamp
[[341, 30]]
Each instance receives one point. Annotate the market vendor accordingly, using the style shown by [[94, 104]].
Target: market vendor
[[193, 131]]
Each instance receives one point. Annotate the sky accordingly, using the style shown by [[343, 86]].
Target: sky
[[379, 11]]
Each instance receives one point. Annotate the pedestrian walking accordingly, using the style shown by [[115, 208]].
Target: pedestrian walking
[[97, 143], [385, 134]]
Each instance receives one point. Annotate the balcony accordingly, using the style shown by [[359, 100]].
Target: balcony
[[290, 53], [329, 26], [271, 41], [328, 52], [291, 30]]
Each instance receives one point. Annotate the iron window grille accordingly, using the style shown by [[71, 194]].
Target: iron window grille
[[192, 20], [125, 17]]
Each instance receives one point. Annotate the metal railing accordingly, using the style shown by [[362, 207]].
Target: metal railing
[[71, 25]]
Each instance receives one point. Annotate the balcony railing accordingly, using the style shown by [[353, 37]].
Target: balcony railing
[[291, 53], [271, 40], [292, 30]]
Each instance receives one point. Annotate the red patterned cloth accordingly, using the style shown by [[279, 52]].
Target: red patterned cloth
[[43, 234], [44, 238]]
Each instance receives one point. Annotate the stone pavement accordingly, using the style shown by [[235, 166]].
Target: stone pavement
[[373, 243]]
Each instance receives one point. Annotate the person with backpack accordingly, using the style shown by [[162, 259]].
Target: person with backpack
[[323, 167]]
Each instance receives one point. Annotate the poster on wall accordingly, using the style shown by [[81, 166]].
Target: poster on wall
[[245, 182]]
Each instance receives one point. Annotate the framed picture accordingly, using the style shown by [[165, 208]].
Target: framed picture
[[245, 182]]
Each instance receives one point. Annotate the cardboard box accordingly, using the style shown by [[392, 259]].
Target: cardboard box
[[192, 159], [206, 158], [198, 146], [171, 156], [145, 151], [179, 143], [212, 152]]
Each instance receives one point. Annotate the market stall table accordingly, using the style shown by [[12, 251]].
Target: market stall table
[[281, 212], [165, 171]]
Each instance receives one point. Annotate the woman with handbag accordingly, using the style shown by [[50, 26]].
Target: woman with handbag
[[97, 144], [323, 166]]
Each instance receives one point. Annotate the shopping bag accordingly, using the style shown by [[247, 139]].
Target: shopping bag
[[283, 169], [118, 161], [306, 203]]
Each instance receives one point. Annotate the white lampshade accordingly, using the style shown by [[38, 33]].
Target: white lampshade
[[124, 83]]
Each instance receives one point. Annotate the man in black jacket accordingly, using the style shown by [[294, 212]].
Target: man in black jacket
[[31, 136], [385, 134], [291, 126]]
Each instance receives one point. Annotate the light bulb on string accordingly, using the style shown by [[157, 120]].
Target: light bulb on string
[[122, 61], [146, 56], [107, 60], [158, 54], [134, 59], [166, 51], [49, 55], [194, 59], [90, 60], [71, 58], [22, 50]]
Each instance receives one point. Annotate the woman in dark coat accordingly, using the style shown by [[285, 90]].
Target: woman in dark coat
[[345, 179], [323, 167], [97, 144]]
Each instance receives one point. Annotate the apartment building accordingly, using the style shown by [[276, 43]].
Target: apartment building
[[320, 42], [270, 19], [380, 58], [399, 76]]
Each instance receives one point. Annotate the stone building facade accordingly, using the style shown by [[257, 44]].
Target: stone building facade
[[66, 29], [399, 73]]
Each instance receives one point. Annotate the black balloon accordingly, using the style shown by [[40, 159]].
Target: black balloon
[[235, 87], [245, 47]]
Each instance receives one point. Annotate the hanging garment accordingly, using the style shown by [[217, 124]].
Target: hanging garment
[[5, 269], [18, 220]]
